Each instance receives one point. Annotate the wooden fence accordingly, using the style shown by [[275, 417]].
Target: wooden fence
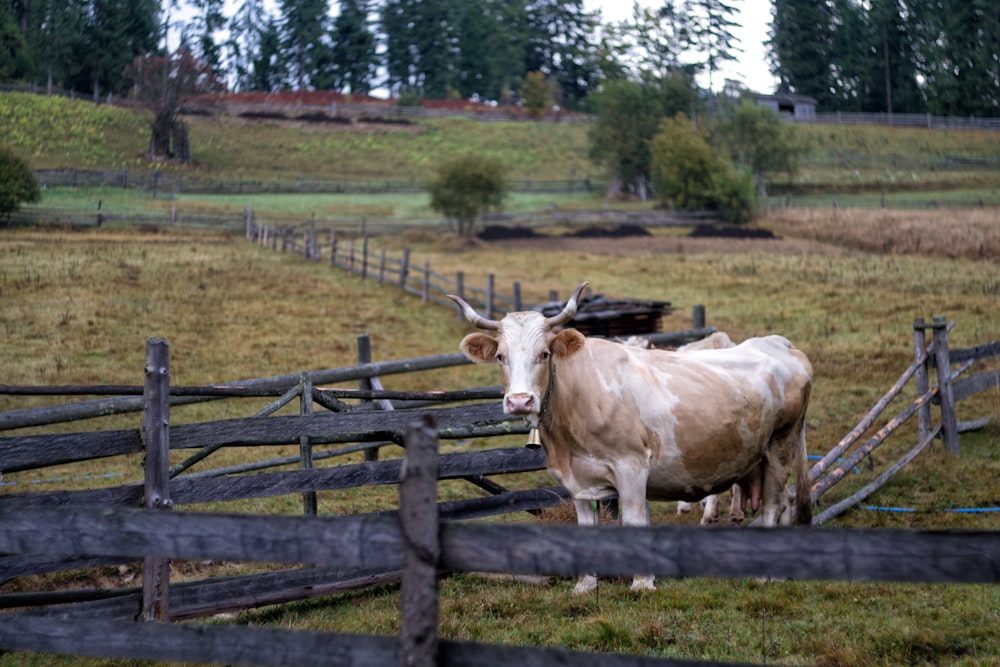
[[48, 532], [354, 255]]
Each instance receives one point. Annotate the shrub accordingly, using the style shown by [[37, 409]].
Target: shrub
[[466, 187], [689, 174], [18, 184]]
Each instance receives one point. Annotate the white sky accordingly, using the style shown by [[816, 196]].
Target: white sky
[[755, 19]]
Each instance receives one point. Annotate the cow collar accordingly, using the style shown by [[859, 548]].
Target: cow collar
[[548, 393]]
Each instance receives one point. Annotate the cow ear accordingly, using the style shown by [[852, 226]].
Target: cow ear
[[479, 348], [567, 343]]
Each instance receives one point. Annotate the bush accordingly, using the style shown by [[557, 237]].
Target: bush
[[690, 175], [18, 184], [466, 187]]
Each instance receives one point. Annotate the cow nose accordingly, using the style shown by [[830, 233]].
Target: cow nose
[[520, 404]]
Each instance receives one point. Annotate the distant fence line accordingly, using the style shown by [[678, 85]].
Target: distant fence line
[[158, 183], [925, 120], [354, 254]]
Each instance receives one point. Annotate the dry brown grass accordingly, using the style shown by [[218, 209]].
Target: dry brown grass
[[967, 233]]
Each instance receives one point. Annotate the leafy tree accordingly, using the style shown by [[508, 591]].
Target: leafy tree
[[628, 114], [53, 30], [267, 68], [467, 187], [801, 53], [712, 32], [492, 39], [689, 174], [536, 94], [18, 184], [304, 28], [246, 41], [561, 44], [421, 46], [14, 60], [114, 33], [353, 55], [758, 140], [200, 32]]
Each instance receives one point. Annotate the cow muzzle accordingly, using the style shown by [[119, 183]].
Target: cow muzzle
[[522, 404]]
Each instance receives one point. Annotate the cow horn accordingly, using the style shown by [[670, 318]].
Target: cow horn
[[569, 311], [474, 317]]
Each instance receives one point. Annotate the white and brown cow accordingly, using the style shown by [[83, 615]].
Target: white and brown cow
[[653, 424]]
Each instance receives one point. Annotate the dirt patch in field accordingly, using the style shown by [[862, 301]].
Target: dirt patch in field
[[635, 239]]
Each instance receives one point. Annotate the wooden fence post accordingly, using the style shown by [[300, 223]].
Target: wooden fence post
[[490, 283], [418, 517], [460, 291], [404, 267], [364, 257], [381, 268], [425, 288], [920, 375], [333, 247], [365, 384], [946, 393], [698, 316], [156, 489], [518, 306], [310, 507]]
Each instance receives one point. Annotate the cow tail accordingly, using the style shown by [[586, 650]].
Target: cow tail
[[803, 489]]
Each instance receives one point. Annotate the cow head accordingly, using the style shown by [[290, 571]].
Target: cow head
[[525, 347]]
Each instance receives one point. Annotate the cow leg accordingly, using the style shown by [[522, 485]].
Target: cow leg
[[635, 512], [586, 515], [773, 495], [736, 506], [711, 513]]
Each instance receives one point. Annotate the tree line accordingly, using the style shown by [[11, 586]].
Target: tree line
[[913, 56]]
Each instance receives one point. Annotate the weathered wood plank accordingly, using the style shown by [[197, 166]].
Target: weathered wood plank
[[36, 451], [967, 387], [200, 490], [343, 541], [330, 427], [195, 643], [686, 551], [270, 647], [977, 352], [258, 386], [27, 452], [375, 542], [207, 597]]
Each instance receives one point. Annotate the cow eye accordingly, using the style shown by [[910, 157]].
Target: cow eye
[[544, 356], [499, 358]]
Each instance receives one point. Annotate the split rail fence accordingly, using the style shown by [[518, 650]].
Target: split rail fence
[[355, 256], [54, 531]]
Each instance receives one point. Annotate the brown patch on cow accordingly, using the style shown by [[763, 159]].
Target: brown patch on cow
[[480, 348]]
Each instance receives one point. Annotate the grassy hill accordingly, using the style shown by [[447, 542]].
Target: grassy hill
[[54, 132]]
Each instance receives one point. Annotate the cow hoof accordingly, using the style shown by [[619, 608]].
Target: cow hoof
[[585, 585], [683, 507], [643, 584]]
